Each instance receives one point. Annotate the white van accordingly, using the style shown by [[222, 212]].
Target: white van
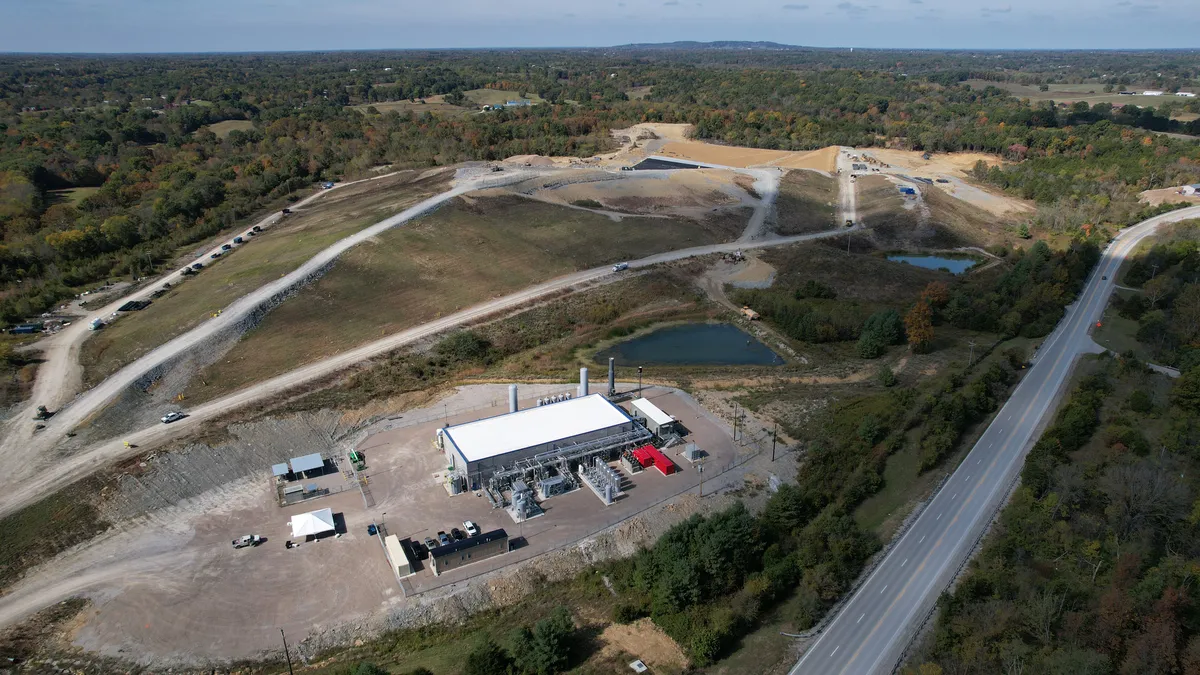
[[620, 266]]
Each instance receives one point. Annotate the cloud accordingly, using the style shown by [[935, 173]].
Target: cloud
[[795, 8], [997, 10], [851, 8]]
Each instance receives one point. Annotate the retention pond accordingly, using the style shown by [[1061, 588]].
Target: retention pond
[[934, 262], [696, 344]]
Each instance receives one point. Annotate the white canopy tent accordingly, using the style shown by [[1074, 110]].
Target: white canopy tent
[[312, 523]]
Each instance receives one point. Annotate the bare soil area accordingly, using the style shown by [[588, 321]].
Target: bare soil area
[[168, 589], [1169, 195], [824, 159], [644, 640]]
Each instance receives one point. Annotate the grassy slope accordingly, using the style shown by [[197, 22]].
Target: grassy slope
[[805, 203], [498, 96], [277, 251], [463, 254], [952, 222], [222, 129]]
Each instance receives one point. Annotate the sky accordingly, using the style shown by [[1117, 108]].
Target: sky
[[271, 25]]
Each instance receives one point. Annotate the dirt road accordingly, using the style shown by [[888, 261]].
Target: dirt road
[[54, 384], [41, 480]]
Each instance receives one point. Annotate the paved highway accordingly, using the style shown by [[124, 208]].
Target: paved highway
[[872, 629]]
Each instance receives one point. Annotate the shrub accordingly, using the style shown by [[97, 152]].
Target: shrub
[[886, 377], [1140, 401]]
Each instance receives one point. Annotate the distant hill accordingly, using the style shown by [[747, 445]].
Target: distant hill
[[691, 45]]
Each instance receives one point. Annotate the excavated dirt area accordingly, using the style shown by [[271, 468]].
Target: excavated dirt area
[[1169, 195], [824, 159]]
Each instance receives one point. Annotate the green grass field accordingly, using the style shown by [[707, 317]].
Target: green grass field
[[464, 253], [1070, 93], [638, 93], [72, 196], [499, 96], [806, 203], [222, 129], [407, 106], [268, 256]]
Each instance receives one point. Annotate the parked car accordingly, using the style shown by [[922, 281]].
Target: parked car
[[250, 233], [238, 240], [226, 247], [215, 255], [326, 185], [443, 538], [430, 543], [457, 534], [372, 530], [471, 528], [173, 416], [247, 540], [197, 266], [287, 212], [256, 228], [620, 267]]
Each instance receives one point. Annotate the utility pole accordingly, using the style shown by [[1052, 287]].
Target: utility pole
[[700, 469], [735, 422], [847, 243], [639, 379], [285, 652], [774, 435], [971, 344]]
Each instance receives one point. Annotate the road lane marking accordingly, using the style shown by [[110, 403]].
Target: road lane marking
[[937, 544], [953, 496], [904, 563], [922, 540], [835, 650], [860, 618], [939, 516], [883, 589]]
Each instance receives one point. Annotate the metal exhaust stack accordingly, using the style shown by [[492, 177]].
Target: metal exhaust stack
[[583, 382], [612, 376], [512, 398]]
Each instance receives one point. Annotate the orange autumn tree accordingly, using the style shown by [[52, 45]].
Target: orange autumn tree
[[936, 293], [918, 323]]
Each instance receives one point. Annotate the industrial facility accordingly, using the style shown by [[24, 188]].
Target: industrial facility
[[562, 443]]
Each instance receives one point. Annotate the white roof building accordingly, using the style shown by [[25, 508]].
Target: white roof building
[[530, 427], [1187, 94], [312, 523], [651, 411], [1152, 93]]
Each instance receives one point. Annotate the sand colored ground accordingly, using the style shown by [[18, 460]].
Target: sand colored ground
[[1167, 195], [956, 169], [645, 641], [954, 164], [824, 159]]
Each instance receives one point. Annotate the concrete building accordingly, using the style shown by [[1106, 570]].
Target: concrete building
[[472, 549], [1185, 94], [658, 422], [476, 450], [1191, 189]]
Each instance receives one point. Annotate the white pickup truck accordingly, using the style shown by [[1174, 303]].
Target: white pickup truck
[[247, 540]]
